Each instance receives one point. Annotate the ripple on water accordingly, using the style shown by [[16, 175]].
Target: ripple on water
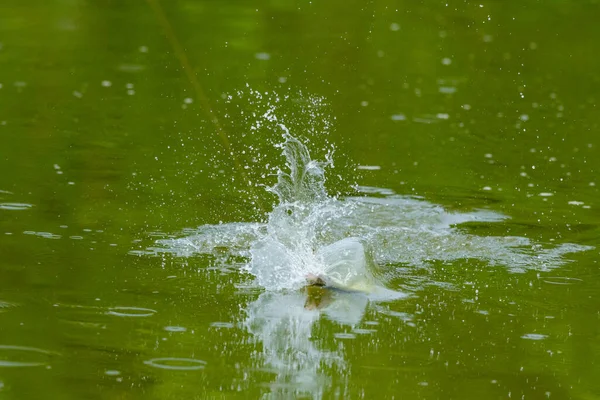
[[534, 336], [345, 335], [222, 325], [131, 312], [175, 363], [363, 331], [15, 206], [112, 372], [24, 356], [46, 235], [561, 280], [175, 328], [4, 305]]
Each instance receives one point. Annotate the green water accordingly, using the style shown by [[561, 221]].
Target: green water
[[112, 120]]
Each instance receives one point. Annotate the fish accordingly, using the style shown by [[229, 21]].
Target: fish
[[346, 266]]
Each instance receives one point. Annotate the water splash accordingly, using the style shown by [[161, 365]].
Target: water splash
[[353, 242], [293, 246], [357, 243], [305, 180]]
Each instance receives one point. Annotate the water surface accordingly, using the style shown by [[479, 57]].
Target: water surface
[[137, 143]]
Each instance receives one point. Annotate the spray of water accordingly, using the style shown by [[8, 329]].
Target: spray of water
[[353, 242], [294, 245]]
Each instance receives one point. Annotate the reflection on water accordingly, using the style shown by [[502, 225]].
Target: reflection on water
[[284, 323]]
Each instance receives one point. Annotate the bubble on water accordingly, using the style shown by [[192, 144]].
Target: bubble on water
[[106, 83], [398, 117], [446, 61], [143, 49], [394, 27]]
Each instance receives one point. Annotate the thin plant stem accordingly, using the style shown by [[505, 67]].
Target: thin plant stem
[[200, 94]]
